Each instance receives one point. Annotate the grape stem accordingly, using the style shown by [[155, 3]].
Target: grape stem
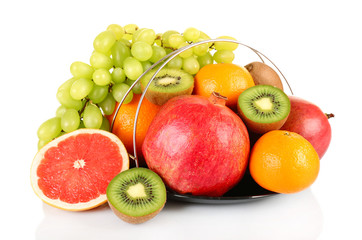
[[87, 101]]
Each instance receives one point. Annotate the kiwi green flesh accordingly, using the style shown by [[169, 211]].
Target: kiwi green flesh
[[136, 192], [264, 104], [168, 80]]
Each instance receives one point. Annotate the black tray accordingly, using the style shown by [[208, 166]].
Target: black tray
[[246, 190]]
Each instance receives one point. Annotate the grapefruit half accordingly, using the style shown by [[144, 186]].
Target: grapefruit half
[[72, 172]]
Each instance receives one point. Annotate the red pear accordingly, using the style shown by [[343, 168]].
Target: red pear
[[197, 145], [308, 120]]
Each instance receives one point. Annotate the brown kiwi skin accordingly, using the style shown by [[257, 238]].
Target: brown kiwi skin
[[160, 99], [264, 75], [135, 220]]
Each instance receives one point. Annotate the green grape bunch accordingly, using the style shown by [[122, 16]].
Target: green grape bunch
[[120, 56]]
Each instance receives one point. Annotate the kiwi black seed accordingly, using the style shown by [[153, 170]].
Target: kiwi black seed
[[264, 75], [168, 83], [136, 195], [263, 108]]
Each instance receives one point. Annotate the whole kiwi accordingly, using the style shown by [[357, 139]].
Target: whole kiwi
[[264, 75]]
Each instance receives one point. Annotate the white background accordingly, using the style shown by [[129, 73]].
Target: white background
[[316, 44]]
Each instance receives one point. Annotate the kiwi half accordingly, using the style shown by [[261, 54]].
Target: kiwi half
[[264, 75], [263, 108], [136, 195], [168, 83]]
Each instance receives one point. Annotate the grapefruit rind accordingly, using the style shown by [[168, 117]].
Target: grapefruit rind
[[82, 205]]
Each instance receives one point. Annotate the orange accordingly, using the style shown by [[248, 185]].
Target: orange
[[225, 78], [124, 122], [72, 172], [284, 162]]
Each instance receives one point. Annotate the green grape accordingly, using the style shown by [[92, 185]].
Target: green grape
[[118, 75], [119, 90], [70, 120], [204, 36], [105, 125], [158, 38], [108, 104], [42, 143], [98, 93], [49, 129], [102, 77], [144, 35], [205, 59], [169, 50], [100, 60], [175, 62], [135, 34], [108, 54], [117, 30], [224, 56], [130, 28], [126, 42], [133, 68], [81, 124], [104, 41], [226, 45], [146, 65], [64, 97], [136, 88], [61, 133], [187, 53], [165, 37], [81, 88], [175, 40], [120, 52], [191, 34], [60, 111], [191, 65], [67, 84], [127, 36], [158, 53], [81, 70], [92, 116], [201, 49], [142, 51]]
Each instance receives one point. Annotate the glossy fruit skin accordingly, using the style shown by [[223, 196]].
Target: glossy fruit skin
[[124, 123], [228, 79], [198, 147], [284, 162], [308, 120]]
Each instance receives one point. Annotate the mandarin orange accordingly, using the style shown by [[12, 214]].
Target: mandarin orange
[[284, 162], [124, 122], [225, 78]]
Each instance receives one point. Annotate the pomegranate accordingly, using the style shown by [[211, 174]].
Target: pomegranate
[[308, 120], [197, 145]]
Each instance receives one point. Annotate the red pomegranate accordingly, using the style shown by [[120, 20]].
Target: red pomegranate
[[308, 120], [197, 145]]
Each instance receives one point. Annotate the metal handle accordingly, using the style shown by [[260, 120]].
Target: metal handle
[[166, 60]]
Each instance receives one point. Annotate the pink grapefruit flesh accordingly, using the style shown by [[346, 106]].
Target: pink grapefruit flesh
[[72, 172]]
